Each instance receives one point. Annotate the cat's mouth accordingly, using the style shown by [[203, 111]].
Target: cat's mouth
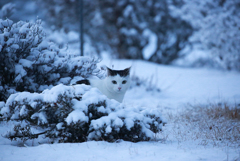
[[119, 90]]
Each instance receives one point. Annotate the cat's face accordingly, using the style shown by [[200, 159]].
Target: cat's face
[[118, 81]]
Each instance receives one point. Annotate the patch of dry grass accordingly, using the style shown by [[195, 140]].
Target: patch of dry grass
[[220, 110], [216, 124]]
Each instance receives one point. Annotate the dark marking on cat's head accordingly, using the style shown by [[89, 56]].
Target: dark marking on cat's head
[[122, 73]]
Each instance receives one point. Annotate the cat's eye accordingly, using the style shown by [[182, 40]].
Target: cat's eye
[[114, 82], [124, 82]]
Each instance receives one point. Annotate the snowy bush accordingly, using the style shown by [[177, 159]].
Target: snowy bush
[[76, 114], [218, 27], [30, 63]]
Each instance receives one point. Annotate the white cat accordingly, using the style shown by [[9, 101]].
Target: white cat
[[114, 86]]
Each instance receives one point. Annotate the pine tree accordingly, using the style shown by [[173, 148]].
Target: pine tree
[[30, 63]]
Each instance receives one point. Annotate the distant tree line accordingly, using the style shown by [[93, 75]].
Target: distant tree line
[[153, 30], [125, 27]]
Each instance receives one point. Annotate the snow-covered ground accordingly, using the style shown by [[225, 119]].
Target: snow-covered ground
[[179, 86], [124, 151]]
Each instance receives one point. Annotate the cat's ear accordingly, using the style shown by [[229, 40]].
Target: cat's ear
[[127, 71], [110, 72]]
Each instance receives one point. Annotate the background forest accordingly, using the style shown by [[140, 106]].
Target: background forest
[[182, 32]]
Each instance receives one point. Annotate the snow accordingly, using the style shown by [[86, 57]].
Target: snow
[[151, 47], [6, 22], [20, 72], [61, 37], [52, 94], [59, 126], [129, 32], [43, 45], [73, 36], [65, 80], [2, 104], [24, 29], [76, 116], [102, 151], [179, 86], [23, 111], [128, 10], [25, 63], [41, 117], [15, 46]]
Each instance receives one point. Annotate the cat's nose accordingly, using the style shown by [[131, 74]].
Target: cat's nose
[[119, 88]]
